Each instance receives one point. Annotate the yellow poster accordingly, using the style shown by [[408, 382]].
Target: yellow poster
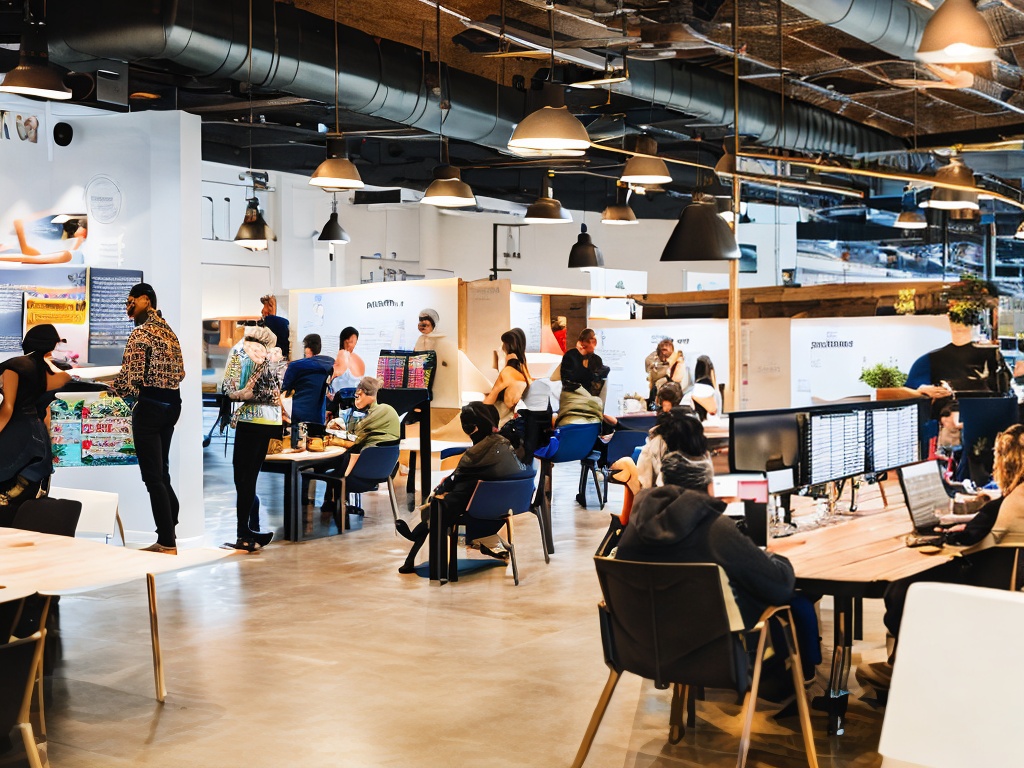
[[56, 311]]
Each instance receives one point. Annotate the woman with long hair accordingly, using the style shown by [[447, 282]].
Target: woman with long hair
[[706, 397], [513, 379], [26, 458]]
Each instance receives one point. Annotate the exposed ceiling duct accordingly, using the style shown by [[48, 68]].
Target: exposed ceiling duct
[[893, 26], [293, 52]]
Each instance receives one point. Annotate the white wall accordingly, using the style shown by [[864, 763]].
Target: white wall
[[153, 160]]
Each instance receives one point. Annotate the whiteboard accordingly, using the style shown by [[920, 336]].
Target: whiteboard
[[828, 354], [525, 314], [765, 363], [625, 344], [385, 314]]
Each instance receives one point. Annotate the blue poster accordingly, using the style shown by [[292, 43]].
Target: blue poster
[[59, 281]]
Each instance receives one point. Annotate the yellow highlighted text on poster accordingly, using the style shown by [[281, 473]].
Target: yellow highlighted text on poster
[[55, 311]]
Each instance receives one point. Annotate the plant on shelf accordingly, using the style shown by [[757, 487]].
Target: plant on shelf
[[882, 376], [968, 302], [904, 304]]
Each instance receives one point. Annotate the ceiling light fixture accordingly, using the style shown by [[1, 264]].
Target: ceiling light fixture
[[333, 232], [911, 220], [645, 167], [337, 172], [550, 130], [447, 190], [957, 34], [958, 174], [701, 235], [1019, 234], [619, 213], [546, 209], [254, 234], [584, 254], [34, 76]]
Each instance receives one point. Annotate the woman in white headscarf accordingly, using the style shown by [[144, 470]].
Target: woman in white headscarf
[[253, 378], [427, 326]]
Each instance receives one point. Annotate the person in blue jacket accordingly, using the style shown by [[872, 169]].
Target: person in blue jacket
[[306, 378]]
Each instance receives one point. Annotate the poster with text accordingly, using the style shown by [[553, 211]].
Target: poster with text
[[91, 429], [63, 282], [109, 326]]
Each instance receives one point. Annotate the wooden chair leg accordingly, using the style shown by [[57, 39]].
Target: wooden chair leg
[[394, 498], [453, 553], [750, 699], [595, 719], [31, 748], [792, 646]]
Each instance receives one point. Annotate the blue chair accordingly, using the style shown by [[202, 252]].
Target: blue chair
[[497, 500], [622, 443], [575, 442], [374, 465]]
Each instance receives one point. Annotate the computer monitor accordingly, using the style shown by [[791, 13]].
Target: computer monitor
[[836, 445], [894, 436], [759, 440]]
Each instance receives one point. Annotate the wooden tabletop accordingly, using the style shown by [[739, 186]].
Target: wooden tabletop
[[867, 549], [53, 565], [326, 453]]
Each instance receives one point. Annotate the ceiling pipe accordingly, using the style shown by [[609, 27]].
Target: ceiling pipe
[[893, 26], [293, 51]]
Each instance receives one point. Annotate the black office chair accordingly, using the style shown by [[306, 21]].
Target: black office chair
[[55, 516], [678, 624]]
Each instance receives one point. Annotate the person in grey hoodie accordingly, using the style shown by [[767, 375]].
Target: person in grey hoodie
[[680, 522]]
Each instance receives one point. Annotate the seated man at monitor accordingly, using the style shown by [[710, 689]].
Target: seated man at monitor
[[380, 426], [680, 522]]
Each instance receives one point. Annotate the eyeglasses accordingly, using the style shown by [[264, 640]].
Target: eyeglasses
[[129, 301]]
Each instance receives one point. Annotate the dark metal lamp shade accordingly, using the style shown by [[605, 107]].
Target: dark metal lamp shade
[[333, 232], [584, 254], [701, 235], [254, 233]]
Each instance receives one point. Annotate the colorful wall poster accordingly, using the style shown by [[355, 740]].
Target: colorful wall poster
[[91, 429], [60, 281]]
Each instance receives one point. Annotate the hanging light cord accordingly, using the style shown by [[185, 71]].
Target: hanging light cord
[[337, 75], [248, 83], [440, 89]]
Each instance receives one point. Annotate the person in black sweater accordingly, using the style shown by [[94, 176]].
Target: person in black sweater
[[491, 457], [582, 366], [680, 522]]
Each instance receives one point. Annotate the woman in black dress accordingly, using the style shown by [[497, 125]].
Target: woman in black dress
[[26, 459]]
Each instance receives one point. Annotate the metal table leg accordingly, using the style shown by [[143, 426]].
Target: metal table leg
[[838, 693]]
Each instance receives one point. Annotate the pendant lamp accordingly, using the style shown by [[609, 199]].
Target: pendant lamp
[[701, 235], [337, 171], [619, 213], [584, 254], [645, 167], [34, 76], [448, 190], [911, 220], [546, 209], [1019, 234], [333, 232], [953, 199], [551, 131], [726, 166], [957, 34], [254, 233]]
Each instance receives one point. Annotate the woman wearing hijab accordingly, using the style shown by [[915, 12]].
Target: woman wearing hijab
[[490, 458], [427, 325], [253, 378], [26, 459]]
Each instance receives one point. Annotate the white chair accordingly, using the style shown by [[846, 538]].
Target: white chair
[[100, 515], [955, 696]]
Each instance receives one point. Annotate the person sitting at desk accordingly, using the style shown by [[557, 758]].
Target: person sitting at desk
[[983, 565], [380, 426], [669, 396], [490, 458], [680, 522], [675, 430]]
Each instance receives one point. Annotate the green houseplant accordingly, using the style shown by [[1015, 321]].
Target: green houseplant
[[882, 376]]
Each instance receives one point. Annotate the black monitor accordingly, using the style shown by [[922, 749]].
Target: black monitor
[[762, 440], [836, 445]]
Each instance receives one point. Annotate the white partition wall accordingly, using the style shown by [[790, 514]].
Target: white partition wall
[[137, 178]]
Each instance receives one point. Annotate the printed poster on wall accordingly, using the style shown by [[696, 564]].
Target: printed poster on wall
[[91, 429], [59, 282], [109, 326]]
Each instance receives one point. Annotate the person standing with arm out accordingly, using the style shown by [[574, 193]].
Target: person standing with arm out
[[151, 372]]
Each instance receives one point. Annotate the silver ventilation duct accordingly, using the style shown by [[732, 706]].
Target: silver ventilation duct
[[293, 51], [893, 26]]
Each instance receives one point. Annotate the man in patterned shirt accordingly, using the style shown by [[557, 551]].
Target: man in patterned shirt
[[150, 374]]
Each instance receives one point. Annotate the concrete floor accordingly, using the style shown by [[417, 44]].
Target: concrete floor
[[322, 654]]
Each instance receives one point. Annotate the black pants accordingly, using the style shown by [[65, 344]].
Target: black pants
[[251, 443], [153, 427]]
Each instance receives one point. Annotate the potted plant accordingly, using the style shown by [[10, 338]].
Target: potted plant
[[968, 302], [905, 304], [887, 381]]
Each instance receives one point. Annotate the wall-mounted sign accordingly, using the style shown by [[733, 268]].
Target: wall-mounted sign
[[103, 199]]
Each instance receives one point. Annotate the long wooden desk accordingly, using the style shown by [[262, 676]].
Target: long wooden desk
[[60, 565], [855, 558], [291, 465]]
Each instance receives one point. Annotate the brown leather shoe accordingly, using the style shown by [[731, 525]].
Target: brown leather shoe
[[160, 548]]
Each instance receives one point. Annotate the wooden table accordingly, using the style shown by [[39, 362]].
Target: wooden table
[[855, 558], [60, 565], [290, 465]]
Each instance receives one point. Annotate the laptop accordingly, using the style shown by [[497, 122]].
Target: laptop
[[925, 494]]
